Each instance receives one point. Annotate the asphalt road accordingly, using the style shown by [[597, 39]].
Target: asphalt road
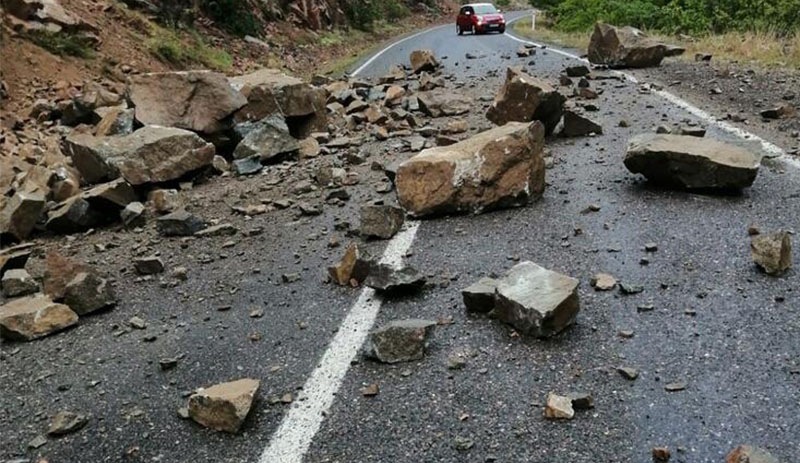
[[718, 324]]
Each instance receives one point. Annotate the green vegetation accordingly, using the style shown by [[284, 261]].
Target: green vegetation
[[168, 46], [62, 43], [364, 14], [233, 16], [678, 16]]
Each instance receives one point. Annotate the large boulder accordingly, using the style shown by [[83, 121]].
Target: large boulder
[[502, 167], [265, 139], [440, 103], [19, 214], [625, 47], [32, 317], [684, 161], [201, 101], [524, 98], [149, 155], [225, 406], [423, 61], [270, 92], [536, 301]]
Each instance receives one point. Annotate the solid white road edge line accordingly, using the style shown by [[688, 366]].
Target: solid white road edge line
[[772, 150], [377, 55], [293, 438]]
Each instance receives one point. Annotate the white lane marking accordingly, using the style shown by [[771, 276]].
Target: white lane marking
[[772, 150], [293, 438], [377, 55]]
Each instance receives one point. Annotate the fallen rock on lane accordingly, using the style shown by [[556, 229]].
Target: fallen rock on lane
[[384, 277], [690, 162], [88, 292], [523, 98], [423, 61], [625, 47], [773, 252], [400, 341], [502, 167], [537, 301], [352, 270], [577, 124], [17, 282], [19, 214], [749, 454], [558, 407], [223, 407], [66, 422], [179, 223], [381, 221], [479, 297], [33, 317]]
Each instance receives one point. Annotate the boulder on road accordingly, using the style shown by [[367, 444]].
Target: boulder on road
[[352, 269], [386, 278], [684, 161], [148, 155], [17, 282], [577, 124], [439, 103], [749, 454], [523, 98], [266, 139], [479, 297], [537, 301], [32, 317], [772, 252], [200, 101], [625, 47], [381, 220], [400, 341], [502, 167], [179, 223], [225, 406], [423, 61], [88, 292]]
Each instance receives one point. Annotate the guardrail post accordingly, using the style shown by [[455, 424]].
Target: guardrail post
[[533, 20]]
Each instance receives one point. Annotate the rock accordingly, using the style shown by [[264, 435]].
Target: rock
[[148, 155], [225, 406], [749, 454], [692, 131], [691, 162], [603, 282], [66, 422], [581, 400], [502, 167], [661, 454], [438, 103], [266, 139], [200, 101], [558, 407], [133, 215], [17, 282], [220, 164], [15, 257], [115, 121], [400, 341], [423, 61], [384, 277], [72, 216], [33, 317], [537, 301], [524, 52], [308, 148], [479, 297], [579, 70], [628, 373], [148, 265], [772, 252], [59, 271], [625, 47], [164, 201], [19, 214], [524, 98], [630, 288], [381, 221], [109, 199], [352, 269], [782, 111], [247, 166], [179, 223], [88, 292], [577, 124], [223, 229], [370, 390]]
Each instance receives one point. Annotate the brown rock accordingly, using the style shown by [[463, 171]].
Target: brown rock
[[558, 407], [625, 47], [502, 167], [88, 292], [577, 124], [199, 101], [32, 317], [59, 271], [772, 252], [423, 61], [225, 406], [749, 454], [115, 121], [661, 454], [524, 98], [352, 269], [19, 214], [603, 282]]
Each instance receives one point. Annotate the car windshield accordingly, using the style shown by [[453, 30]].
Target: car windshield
[[485, 9]]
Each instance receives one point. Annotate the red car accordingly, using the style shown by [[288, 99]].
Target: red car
[[479, 18]]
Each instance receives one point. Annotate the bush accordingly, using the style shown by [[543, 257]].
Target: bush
[[234, 16], [362, 13], [62, 43], [168, 47], [394, 10], [175, 13]]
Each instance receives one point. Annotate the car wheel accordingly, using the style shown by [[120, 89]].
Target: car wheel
[[458, 30], [502, 30]]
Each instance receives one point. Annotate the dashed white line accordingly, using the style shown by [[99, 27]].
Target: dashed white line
[[293, 438], [771, 149]]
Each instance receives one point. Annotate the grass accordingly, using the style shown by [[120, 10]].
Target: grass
[[62, 43], [765, 48], [357, 42], [169, 47]]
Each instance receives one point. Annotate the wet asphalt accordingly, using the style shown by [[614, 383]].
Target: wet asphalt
[[711, 320]]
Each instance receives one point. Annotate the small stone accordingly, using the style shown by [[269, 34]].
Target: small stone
[[65, 422], [463, 444], [749, 454], [773, 252], [661, 455], [603, 282], [456, 362], [630, 288], [167, 363], [179, 223], [137, 323], [388, 279], [225, 406], [400, 341], [133, 215], [370, 390], [381, 221], [675, 387], [17, 282], [148, 265], [35, 443], [651, 247], [558, 407], [628, 373]]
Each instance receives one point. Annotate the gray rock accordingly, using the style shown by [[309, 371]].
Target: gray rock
[[625, 47], [579, 70], [400, 341], [72, 216], [133, 215], [381, 221], [691, 162], [386, 278], [66, 422], [479, 297], [19, 214], [524, 98], [537, 301], [17, 282], [88, 292], [148, 265], [577, 124], [247, 166], [267, 139], [772, 252], [179, 223]]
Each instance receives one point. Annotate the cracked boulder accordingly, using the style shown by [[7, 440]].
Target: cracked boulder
[[537, 301], [400, 341], [33, 317], [683, 161], [265, 139], [423, 61], [148, 155], [523, 98], [200, 101], [223, 407], [502, 167], [773, 252], [624, 47]]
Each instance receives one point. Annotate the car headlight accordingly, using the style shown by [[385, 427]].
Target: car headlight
[[480, 19]]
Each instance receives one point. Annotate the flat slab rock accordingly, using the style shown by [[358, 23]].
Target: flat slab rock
[[33, 317], [386, 278], [690, 162], [223, 407], [537, 301], [400, 341]]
